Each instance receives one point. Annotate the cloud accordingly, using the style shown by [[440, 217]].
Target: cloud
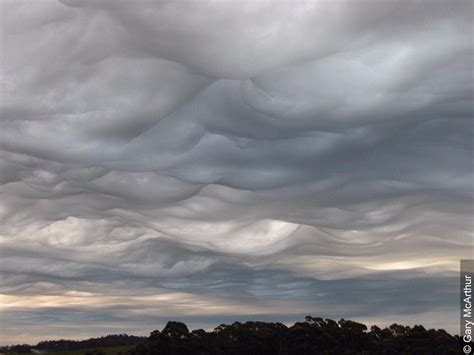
[[263, 159]]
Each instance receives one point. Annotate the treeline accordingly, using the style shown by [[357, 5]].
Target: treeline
[[313, 336], [66, 345]]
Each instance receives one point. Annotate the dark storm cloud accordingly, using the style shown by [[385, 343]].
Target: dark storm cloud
[[190, 151]]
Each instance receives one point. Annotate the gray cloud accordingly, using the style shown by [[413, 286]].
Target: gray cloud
[[307, 158]]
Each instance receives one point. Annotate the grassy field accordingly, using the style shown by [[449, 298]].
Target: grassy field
[[109, 350]]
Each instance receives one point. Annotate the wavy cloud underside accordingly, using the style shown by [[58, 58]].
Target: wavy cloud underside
[[214, 161]]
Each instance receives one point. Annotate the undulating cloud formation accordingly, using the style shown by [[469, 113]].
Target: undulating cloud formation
[[216, 161]]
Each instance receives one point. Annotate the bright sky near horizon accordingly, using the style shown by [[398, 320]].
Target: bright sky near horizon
[[213, 161]]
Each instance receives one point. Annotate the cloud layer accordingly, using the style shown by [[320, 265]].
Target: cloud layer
[[211, 161]]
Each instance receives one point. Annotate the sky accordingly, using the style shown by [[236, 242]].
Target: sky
[[213, 161]]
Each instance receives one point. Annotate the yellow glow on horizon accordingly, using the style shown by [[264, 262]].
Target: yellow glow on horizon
[[175, 302], [449, 265]]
